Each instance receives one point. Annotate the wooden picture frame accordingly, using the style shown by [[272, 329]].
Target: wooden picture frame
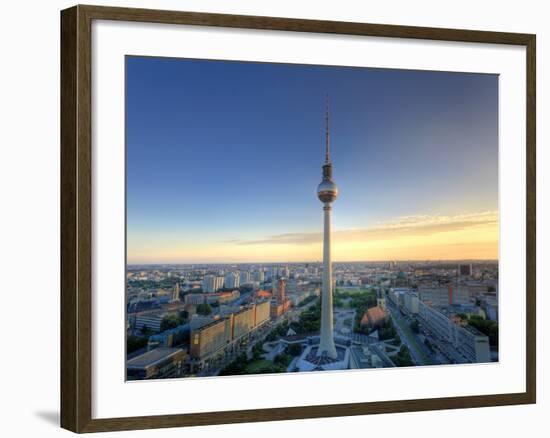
[[76, 217]]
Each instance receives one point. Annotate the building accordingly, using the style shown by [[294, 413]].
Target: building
[[380, 299], [159, 363], [465, 270], [276, 309], [243, 322], [279, 303], [263, 294], [279, 293], [469, 342], [170, 337], [262, 314], [211, 337], [367, 357], [231, 280], [259, 276], [400, 280], [176, 293], [473, 344], [244, 277], [212, 283], [374, 317], [221, 297], [150, 322], [410, 302], [194, 299], [447, 295], [397, 295]]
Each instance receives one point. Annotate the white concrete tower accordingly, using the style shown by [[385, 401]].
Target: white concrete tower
[[327, 193]]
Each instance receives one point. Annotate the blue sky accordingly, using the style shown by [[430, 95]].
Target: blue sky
[[224, 153]]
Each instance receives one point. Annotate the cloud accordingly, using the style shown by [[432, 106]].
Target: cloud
[[405, 226]]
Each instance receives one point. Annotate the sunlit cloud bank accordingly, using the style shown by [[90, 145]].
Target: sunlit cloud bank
[[406, 226], [421, 237]]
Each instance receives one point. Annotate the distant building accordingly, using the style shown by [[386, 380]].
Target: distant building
[[263, 294], [244, 277], [410, 302], [380, 299], [212, 283], [259, 276], [176, 293], [194, 299], [279, 303], [280, 293], [400, 280], [447, 295], [152, 322], [465, 270], [156, 364], [231, 280]]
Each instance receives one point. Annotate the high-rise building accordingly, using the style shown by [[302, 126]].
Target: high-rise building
[[259, 276], [327, 193], [465, 270], [176, 293], [211, 283], [280, 291], [244, 277], [231, 280]]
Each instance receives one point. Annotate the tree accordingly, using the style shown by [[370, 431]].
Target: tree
[[172, 321], [204, 309], [257, 351], [282, 359], [387, 331], [309, 321], [396, 340], [169, 322], [134, 343], [294, 349], [415, 326], [485, 326], [245, 288], [238, 366], [403, 357]]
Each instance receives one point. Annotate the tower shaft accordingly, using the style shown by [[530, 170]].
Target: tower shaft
[[326, 345]]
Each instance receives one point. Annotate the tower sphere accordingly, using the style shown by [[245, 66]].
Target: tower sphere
[[327, 191]]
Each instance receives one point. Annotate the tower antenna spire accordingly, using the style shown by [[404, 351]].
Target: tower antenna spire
[[327, 131]]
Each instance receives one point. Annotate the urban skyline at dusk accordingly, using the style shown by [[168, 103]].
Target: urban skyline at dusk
[[223, 159]]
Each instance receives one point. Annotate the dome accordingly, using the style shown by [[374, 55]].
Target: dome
[[327, 191]]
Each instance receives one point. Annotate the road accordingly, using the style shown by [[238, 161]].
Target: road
[[409, 338]]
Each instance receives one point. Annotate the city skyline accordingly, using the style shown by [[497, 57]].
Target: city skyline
[[214, 178]]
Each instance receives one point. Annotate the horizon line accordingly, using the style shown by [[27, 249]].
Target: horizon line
[[311, 261]]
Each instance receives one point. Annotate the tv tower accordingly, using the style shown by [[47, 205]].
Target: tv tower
[[327, 193]]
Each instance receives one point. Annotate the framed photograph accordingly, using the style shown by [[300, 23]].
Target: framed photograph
[[271, 218]]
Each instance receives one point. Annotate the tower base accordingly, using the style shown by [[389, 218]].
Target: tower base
[[311, 361]]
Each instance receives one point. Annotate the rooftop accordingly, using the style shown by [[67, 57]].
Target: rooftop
[[153, 357]]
